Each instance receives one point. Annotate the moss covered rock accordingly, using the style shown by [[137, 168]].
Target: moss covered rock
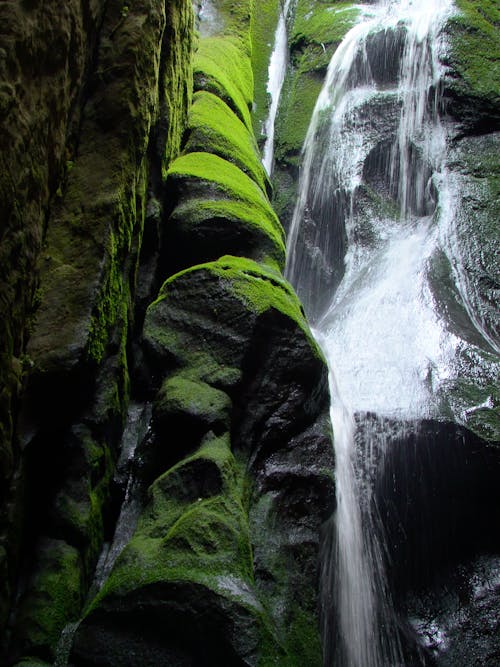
[[219, 209], [238, 457], [473, 80]]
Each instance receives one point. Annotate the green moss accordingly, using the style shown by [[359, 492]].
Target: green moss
[[475, 47], [191, 397], [177, 84], [230, 181], [215, 128], [193, 529], [299, 97], [237, 15], [316, 25], [222, 68], [52, 598], [80, 505]]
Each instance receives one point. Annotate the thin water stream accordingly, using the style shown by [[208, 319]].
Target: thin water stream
[[276, 77]]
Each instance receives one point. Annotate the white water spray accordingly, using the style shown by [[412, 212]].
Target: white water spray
[[364, 230]]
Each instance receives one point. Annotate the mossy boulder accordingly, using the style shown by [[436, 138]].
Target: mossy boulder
[[209, 311], [219, 209], [221, 68], [187, 570], [473, 59]]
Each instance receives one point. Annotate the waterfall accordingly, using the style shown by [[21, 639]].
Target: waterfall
[[370, 212], [276, 76]]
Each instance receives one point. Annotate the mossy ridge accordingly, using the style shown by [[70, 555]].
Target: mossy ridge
[[264, 242], [221, 67], [227, 177], [215, 128], [475, 48]]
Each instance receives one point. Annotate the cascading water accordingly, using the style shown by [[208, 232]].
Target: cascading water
[[371, 212], [276, 77]]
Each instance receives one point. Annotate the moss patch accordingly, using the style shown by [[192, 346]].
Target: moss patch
[[475, 50], [221, 67], [214, 128], [263, 31], [53, 598]]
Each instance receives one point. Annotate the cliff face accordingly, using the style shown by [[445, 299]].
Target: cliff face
[[115, 178]]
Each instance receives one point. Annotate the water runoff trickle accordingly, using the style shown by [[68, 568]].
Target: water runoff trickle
[[276, 77], [366, 223]]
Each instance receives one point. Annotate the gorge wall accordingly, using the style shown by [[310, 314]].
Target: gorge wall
[[141, 264], [165, 443]]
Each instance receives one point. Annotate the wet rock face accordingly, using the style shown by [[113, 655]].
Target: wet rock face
[[434, 490], [41, 97]]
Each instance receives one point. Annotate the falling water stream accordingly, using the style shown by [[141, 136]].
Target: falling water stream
[[371, 212], [276, 77]]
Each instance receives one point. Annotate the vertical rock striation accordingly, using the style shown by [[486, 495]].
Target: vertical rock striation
[[99, 96]]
